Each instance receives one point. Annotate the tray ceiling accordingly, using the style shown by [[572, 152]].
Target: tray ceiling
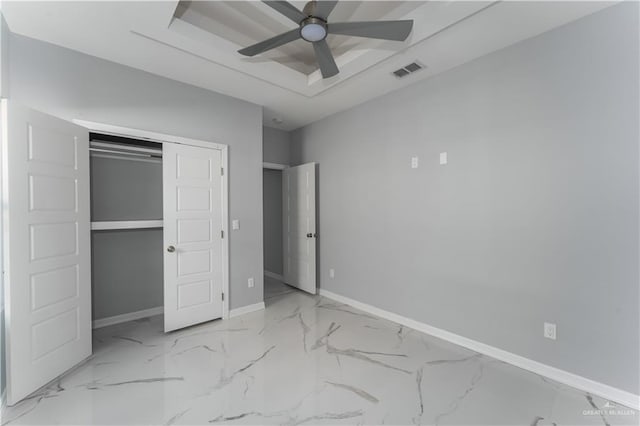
[[197, 43], [247, 23]]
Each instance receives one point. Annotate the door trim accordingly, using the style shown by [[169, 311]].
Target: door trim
[[164, 138]]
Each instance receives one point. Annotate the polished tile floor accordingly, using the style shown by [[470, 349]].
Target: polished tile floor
[[273, 289], [304, 360]]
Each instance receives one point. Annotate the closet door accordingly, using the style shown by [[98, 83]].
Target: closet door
[[46, 261], [192, 235]]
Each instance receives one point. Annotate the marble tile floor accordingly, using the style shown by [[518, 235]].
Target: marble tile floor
[[274, 288], [303, 360]]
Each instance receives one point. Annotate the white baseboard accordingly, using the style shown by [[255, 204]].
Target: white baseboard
[[273, 275], [103, 322], [246, 309], [596, 388]]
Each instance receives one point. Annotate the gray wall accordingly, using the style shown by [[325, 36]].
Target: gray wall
[[276, 145], [125, 189], [272, 208], [126, 271], [276, 149], [5, 36], [4, 92], [127, 266], [534, 219], [72, 85]]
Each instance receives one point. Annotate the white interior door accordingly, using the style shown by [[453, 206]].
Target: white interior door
[[47, 252], [299, 228], [193, 225]]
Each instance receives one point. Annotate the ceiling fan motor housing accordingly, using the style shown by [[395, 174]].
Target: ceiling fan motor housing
[[313, 29]]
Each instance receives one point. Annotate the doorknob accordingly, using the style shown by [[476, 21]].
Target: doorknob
[[171, 249], [310, 235]]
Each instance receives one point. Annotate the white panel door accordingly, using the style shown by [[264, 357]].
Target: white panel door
[[47, 252], [299, 227], [193, 227]]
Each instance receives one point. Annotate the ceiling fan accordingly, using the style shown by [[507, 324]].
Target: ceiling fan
[[314, 28]]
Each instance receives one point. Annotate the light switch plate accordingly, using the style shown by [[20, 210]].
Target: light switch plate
[[235, 224], [250, 283], [332, 273], [443, 158], [414, 162]]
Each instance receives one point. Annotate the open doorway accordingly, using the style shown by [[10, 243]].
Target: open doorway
[[289, 214], [273, 232]]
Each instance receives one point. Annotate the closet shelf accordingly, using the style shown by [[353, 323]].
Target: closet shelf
[[125, 224]]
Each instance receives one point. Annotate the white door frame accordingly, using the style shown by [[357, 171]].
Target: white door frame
[[164, 138]]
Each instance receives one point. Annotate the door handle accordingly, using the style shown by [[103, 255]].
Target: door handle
[[171, 249], [310, 235]]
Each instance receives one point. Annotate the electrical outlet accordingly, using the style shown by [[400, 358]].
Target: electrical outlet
[[250, 283], [550, 330], [414, 162], [443, 158], [332, 273], [235, 224]]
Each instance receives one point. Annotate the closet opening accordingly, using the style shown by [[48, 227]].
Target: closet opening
[[127, 229], [273, 218]]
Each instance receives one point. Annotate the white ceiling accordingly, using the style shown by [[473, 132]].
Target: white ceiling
[[197, 42]]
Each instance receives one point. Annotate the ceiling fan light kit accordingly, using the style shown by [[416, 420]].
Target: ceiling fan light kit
[[314, 28]]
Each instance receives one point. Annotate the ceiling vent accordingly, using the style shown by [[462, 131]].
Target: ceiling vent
[[408, 69]]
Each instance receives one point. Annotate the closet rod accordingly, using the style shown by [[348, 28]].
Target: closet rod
[[113, 151], [123, 149]]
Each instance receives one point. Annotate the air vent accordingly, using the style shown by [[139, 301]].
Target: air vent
[[413, 67], [401, 73], [408, 69]]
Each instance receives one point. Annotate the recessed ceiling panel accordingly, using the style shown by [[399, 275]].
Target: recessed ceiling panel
[[247, 23]]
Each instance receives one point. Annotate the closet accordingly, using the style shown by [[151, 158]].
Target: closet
[[112, 224], [141, 267], [126, 228]]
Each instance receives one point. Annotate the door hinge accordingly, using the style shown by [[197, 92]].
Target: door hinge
[[223, 297], [221, 171], [222, 234]]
